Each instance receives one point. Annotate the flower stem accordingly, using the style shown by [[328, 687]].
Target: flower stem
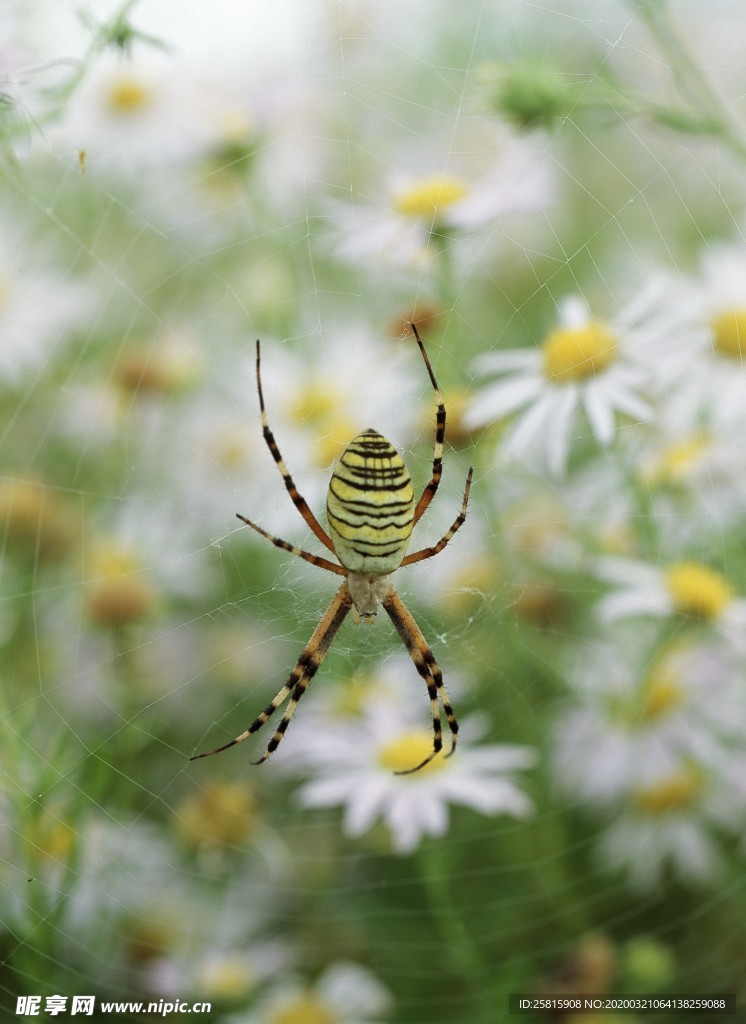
[[461, 948], [691, 83], [444, 242]]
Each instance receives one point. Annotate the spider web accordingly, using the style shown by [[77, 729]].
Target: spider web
[[140, 624]]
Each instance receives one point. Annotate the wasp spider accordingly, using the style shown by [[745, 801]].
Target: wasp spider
[[371, 512]]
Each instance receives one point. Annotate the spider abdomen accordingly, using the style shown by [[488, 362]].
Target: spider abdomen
[[370, 506]]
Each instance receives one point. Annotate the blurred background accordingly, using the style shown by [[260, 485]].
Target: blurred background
[[554, 195]]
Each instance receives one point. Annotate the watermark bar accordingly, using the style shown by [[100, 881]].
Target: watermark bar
[[61, 1006], [595, 1003]]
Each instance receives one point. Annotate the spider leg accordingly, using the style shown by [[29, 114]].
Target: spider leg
[[298, 500], [440, 432], [322, 563], [419, 556], [306, 668], [426, 665]]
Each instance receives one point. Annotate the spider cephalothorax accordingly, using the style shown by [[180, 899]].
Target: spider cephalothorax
[[371, 512]]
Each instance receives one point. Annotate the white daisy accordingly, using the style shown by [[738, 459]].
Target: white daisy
[[671, 822], [223, 972], [655, 746], [582, 365], [689, 454], [668, 823], [535, 521], [721, 369], [135, 556], [684, 588], [128, 898], [345, 993], [694, 469], [131, 115], [598, 506], [40, 306], [703, 366], [139, 391], [354, 762], [418, 209], [633, 721], [22, 102]]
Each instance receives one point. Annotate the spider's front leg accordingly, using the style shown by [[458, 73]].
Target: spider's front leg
[[440, 434], [297, 684], [428, 668]]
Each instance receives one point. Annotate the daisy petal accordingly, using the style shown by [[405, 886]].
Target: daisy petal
[[573, 312], [499, 400], [352, 990], [402, 818], [626, 571], [362, 812], [523, 434], [558, 442], [627, 603], [512, 359], [631, 404], [600, 415]]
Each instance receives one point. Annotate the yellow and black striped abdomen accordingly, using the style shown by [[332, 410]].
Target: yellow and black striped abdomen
[[370, 506]]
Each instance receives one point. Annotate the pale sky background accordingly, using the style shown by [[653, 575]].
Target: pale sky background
[[248, 35]]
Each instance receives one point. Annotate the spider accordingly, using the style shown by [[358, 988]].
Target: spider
[[371, 512]]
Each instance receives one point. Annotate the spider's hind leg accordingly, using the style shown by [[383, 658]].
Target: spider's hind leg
[[426, 665], [306, 668]]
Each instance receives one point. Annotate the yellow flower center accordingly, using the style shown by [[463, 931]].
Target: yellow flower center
[[306, 1009], [353, 698], [315, 403], [119, 591], [427, 199], [575, 353], [49, 840], [678, 792], [661, 693], [408, 750], [729, 333], [697, 590], [236, 128], [467, 586], [221, 814], [540, 604], [674, 463], [34, 520], [320, 406], [164, 365], [150, 937], [143, 372], [128, 94], [22, 506], [229, 448], [112, 560], [335, 439], [227, 978]]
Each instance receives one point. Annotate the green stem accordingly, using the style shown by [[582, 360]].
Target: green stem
[[689, 80], [99, 40], [443, 242], [104, 35], [692, 84], [462, 950]]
